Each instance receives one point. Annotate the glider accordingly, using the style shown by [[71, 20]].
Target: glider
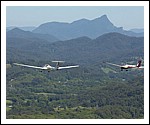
[[48, 67], [137, 66]]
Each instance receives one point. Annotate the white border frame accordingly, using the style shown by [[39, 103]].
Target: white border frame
[[75, 3]]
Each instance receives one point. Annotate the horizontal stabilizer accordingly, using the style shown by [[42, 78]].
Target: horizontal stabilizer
[[58, 61]]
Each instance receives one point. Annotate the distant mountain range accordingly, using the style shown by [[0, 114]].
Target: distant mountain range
[[79, 28], [27, 28], [137, 30], [18, 33], [90, 28]]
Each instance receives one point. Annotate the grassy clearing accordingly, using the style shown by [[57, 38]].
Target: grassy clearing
[[8, 66], [8, 102], [107, 70]]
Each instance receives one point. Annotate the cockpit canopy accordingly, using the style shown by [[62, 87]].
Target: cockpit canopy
[[47, 65]]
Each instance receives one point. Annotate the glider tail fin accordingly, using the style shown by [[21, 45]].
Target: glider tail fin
[[58, 63], [138, 63]]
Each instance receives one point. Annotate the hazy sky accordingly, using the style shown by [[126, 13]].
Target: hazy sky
[[127, 17]]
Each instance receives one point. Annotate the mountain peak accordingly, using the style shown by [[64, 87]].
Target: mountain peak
[[102, 18], [16, 29]]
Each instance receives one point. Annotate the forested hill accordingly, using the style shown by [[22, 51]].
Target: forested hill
[[83, 50]]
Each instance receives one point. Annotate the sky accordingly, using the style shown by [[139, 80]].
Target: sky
[[128, 17]]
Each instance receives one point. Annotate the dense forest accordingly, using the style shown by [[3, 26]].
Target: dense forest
[[83, 93]]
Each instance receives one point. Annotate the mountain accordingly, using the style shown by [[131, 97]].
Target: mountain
[[137, 30], [82, 50], [27, 28], [83, 27], [18, 33]]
